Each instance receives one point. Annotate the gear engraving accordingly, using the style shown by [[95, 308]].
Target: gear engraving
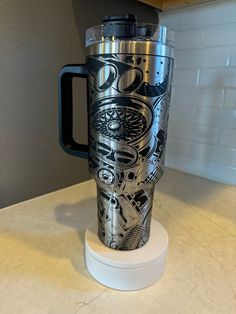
[[128, 118]]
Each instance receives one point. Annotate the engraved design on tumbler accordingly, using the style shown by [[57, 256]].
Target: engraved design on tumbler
[[128, 118]]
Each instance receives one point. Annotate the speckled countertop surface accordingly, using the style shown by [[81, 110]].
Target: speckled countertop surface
[[42, 268]]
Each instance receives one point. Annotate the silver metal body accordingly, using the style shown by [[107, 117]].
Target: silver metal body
[[129, 93]]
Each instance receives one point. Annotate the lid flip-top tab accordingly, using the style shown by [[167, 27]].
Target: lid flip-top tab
[[120, 26]]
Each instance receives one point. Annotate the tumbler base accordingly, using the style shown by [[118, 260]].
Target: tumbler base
[[127, 270]]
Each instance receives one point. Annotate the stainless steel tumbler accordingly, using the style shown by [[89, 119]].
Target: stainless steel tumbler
[[129, 71]]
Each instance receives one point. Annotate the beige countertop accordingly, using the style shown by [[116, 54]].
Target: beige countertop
[[42, 268]]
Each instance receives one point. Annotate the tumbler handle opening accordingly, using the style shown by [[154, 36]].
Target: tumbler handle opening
[[66, 75]]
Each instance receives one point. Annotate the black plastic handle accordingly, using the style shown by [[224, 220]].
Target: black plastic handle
[[67, 141]]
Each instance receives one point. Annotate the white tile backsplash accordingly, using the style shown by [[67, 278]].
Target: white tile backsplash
[[216, 153], [179, 146], [197, 17], [189, 39], [218, 78], [198, 97], [232, 61], [230, 98], [172, 20], [211, 170], [193, 132], [186, 78], [203, 58], [182, 113], [202, 126], [220, 35], [216, 117], [228, 138]]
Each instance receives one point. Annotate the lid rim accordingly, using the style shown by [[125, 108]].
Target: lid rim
[[144, 31]]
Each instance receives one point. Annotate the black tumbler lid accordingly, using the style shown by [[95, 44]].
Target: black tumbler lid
[[120, 26], [126, 28]]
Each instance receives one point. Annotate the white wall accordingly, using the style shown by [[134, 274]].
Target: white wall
[[202, 128]]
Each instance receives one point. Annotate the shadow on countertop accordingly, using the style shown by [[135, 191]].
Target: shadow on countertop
[[78, 216], [46, 242]]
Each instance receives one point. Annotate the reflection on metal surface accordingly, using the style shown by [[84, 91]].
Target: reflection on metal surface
[[128, 118]]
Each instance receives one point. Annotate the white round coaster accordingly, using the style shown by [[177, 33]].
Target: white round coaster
[[127, 270]]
